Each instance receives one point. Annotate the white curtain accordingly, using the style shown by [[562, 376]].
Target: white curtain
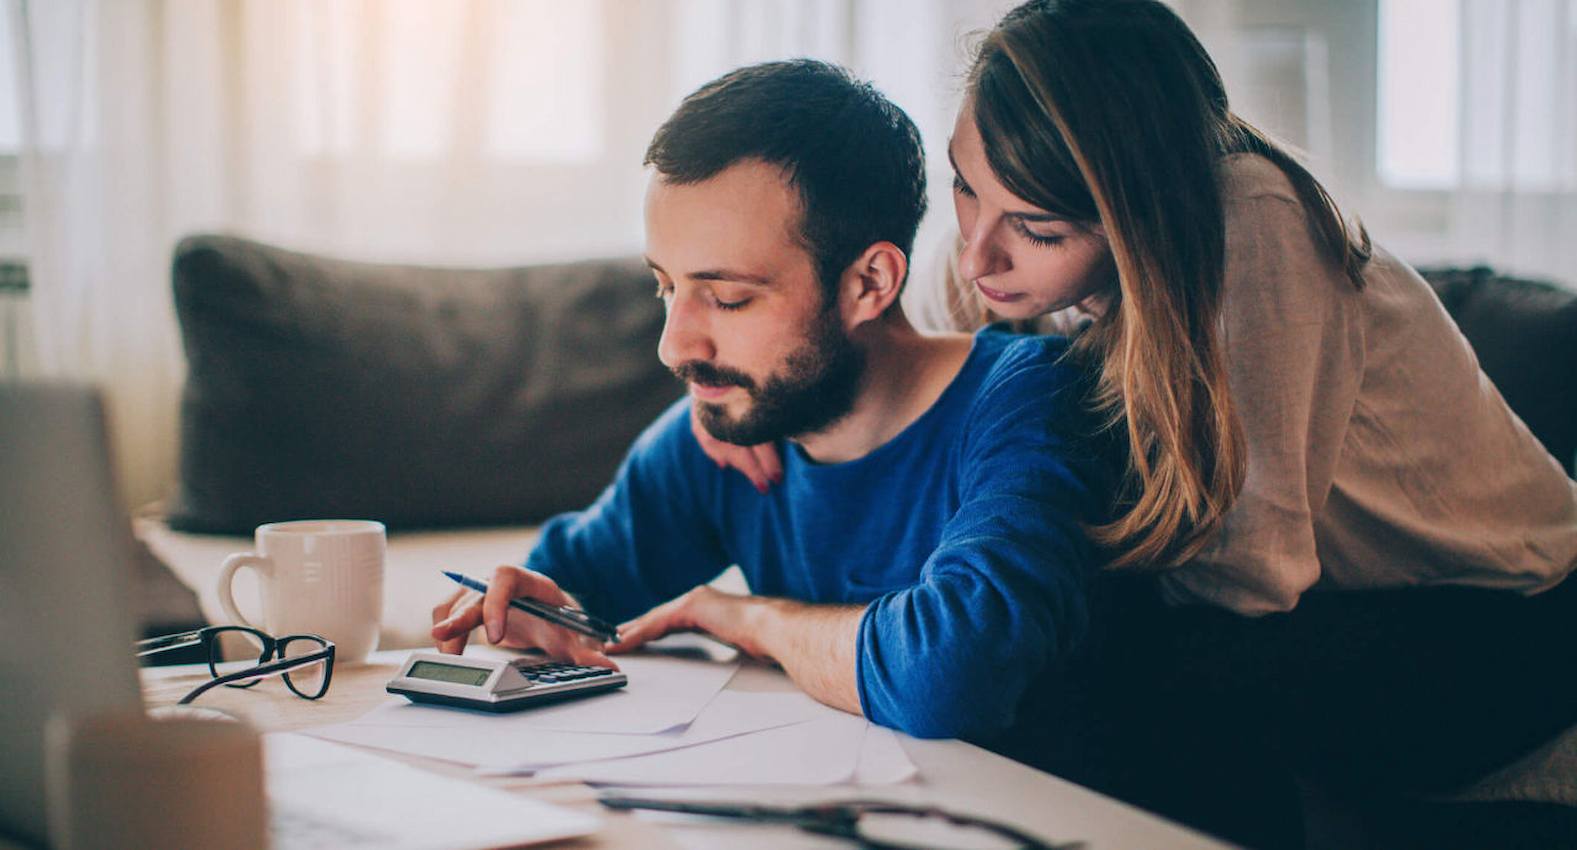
[[1516, 203], [98, 208], [433, 131]]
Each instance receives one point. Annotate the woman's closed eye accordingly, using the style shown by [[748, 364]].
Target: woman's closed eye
[[1043, 239]]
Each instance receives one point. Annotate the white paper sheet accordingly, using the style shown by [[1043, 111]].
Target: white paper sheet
[[823, 751], [698, 645], [663, 693], [810, 753], [506, 744], [882, 759], [320, 792]]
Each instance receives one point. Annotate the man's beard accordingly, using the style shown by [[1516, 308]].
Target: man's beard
[[816, 388]]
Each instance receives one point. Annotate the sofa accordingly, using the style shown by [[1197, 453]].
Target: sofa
[[462, 407]]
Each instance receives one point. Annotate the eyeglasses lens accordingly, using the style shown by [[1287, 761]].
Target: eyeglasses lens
[[310, 680], [242, 647]]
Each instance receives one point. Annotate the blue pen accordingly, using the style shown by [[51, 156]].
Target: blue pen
[[573, 619]]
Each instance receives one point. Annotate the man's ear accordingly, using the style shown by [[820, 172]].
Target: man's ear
[[872, 283]]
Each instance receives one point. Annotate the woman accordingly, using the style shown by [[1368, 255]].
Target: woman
[[1301, 413]]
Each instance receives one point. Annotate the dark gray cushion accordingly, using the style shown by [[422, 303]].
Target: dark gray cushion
[[421, 397], [1525, 335]]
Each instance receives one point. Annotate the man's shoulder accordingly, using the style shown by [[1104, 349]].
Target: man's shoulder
[[1020, 361], [1031, 384]]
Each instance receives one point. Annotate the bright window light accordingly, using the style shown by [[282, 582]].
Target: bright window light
[[10, 88], [1419, 96], [395, 79], [545, 93], [419, 49]]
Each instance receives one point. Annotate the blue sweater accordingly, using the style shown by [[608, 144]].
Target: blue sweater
[[961, 536]]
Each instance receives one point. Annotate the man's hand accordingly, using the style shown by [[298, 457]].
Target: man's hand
[[759, 463], [455, 617], [815, 644], [727, 617]]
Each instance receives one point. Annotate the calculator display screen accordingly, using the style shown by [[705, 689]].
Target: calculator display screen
[[448, 673]]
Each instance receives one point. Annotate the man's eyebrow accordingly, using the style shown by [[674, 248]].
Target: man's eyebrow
[[732, 276], [722, 274]]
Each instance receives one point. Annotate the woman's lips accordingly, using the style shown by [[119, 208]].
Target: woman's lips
[[998, 295], [709, 392]]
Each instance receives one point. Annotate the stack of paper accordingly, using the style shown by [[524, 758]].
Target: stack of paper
[[322, 795], [831, 749], [672, 725]]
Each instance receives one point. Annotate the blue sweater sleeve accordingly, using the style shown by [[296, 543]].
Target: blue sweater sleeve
[[1003, 596], [649, 537]]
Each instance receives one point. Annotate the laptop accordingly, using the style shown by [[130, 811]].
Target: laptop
[[66, 632], [65, 573]]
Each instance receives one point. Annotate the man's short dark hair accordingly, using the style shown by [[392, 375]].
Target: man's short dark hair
[[854, 156]]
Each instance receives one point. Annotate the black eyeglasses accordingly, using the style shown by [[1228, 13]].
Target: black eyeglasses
[[872, 824], [305, 662]]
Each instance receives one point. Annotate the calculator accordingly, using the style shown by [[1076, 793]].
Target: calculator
[[498, 684]]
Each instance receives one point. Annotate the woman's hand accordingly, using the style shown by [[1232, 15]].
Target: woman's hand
[[758, 463], [455, 617]]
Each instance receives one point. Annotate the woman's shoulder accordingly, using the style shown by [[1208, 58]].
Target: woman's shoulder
[[1278, 270], [1266, 222], [1269, 231], [1249, 177]]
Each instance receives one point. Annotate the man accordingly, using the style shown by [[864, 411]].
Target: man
[[923, 561]]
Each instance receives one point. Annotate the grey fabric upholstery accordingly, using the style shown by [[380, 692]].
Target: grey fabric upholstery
[[422, 397]]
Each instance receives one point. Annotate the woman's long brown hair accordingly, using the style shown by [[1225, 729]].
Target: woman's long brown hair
[[1111, 112]]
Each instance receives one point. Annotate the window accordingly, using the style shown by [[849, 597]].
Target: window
[[1418, 96], [382, 80], [1477, 95], [13, 268], [11, 235]]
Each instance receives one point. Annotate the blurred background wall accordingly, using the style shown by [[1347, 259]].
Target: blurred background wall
[[477, 132]]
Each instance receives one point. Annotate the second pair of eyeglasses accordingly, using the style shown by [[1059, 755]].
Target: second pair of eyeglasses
[[305, 662]]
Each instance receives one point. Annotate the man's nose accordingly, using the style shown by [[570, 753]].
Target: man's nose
[[685, 335], [982, 254]]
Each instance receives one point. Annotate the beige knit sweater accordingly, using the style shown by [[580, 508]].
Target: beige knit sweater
[[1379, 455]]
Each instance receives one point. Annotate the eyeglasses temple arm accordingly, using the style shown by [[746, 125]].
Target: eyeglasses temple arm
[[719, 810], [181, 640], [258, 672]]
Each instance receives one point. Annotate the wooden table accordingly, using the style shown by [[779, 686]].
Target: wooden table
[[953, 774]]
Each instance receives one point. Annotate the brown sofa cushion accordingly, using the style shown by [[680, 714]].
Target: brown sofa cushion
[[421, 397]]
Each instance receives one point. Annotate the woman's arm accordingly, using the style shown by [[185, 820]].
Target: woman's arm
[[1295, 350]]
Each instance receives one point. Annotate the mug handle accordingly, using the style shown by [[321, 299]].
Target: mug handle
[[260, 563]]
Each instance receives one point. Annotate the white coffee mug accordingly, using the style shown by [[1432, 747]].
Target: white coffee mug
[[321, 577]]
